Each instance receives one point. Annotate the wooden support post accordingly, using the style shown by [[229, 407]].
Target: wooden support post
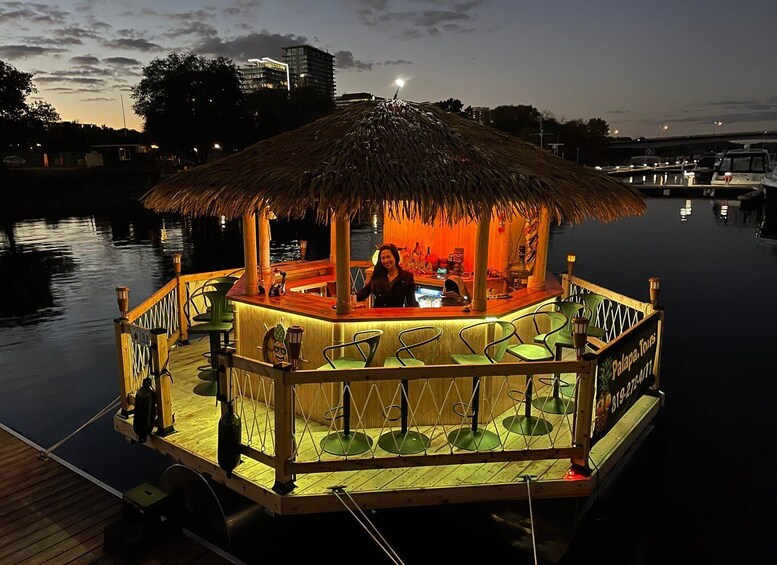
[[537, 279], [226, 388], [124, 357], [343, 266], [586, 390], [264, 249], [249, 253], [479, 300], [284, 429], [183, 321], [159, 360], [333, 240], [659, 347]]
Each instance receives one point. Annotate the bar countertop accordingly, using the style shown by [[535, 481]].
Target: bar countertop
[[322, 308]]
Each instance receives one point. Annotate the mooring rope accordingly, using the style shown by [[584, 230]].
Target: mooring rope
[[382, 543], [527, 479], [114, 403]]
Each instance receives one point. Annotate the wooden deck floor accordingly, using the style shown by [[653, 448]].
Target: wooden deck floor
[[50, 514], [195, 444]]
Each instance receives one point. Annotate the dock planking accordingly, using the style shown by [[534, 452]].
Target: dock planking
[[50, 514], [194, 444]]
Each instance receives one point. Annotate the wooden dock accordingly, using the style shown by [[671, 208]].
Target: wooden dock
[[51, 514]]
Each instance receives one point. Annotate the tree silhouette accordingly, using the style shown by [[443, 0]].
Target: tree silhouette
[[188, 101], [20, 121]]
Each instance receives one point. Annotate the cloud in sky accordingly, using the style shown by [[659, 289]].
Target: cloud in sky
[[433, 17], [27, 51], [257, 44], [345, 61], [396, 62], [21, 13], [85, 60], [132, 44]]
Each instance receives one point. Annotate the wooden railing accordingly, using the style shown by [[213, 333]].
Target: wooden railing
[[616, 314], [278, 436]]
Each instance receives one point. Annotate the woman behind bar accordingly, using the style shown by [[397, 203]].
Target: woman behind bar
[[390, 283]]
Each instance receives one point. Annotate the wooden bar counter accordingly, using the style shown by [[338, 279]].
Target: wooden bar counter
[[258, 314]]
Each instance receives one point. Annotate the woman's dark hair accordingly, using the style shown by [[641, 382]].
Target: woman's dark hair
[[380, 280]]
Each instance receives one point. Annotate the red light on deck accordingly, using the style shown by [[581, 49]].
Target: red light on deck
[[572, 475]]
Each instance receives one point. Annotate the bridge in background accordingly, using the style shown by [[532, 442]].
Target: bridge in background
[[690, 144]]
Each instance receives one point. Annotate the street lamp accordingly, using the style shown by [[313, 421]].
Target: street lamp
[[716, 124], [662, 127], [400, 83]]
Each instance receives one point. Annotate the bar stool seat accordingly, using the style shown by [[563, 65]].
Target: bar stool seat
[[395, 362], [473, 438], [406, 441], [348, 442]]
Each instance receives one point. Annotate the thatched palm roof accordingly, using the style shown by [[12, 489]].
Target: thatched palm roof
[[411, 157]]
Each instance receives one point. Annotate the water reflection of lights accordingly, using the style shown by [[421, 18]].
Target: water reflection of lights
[[374, 223], [686, 210], [724, 212], [223, 222]]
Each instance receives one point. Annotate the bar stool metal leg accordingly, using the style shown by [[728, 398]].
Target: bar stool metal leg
[[404, 441], [473, 438], [346, 442], [527, 424]]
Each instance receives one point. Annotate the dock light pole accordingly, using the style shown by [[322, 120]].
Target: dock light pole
[[400, 83], [571, 258], [716, 124], [655, 289], [122, 298], [662, 127], [579, 334]]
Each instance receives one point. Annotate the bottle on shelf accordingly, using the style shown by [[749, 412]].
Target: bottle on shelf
[[519, 275]]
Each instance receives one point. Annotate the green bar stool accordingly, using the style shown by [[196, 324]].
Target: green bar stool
[[404, 441], [592, 301], [221, 284], [555, 404], [215, 328], [527, 424], [472, 438], [347, 442]]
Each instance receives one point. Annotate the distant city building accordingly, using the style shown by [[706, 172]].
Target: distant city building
[[264, 73], [482, 115], [347, 99], [312, 67]]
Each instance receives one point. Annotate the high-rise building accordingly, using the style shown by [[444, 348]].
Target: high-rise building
[[481, 114], [264, 73], [311, 67]]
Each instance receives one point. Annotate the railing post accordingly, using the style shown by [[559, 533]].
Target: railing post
[[284, 429], [124, 357], [566, 281], [659, 347], [123, 350], [586, 385], [183, 321], [655, 292], [225, 393], [159, 361]]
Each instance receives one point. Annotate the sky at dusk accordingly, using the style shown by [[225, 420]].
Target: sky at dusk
[[637, 65]]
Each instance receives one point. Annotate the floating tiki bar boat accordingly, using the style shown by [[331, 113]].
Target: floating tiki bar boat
[[398, 406]]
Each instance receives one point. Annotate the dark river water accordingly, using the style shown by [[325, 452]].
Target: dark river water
[[700, 490]]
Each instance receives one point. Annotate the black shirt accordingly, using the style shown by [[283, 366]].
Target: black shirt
[[401, 292]]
